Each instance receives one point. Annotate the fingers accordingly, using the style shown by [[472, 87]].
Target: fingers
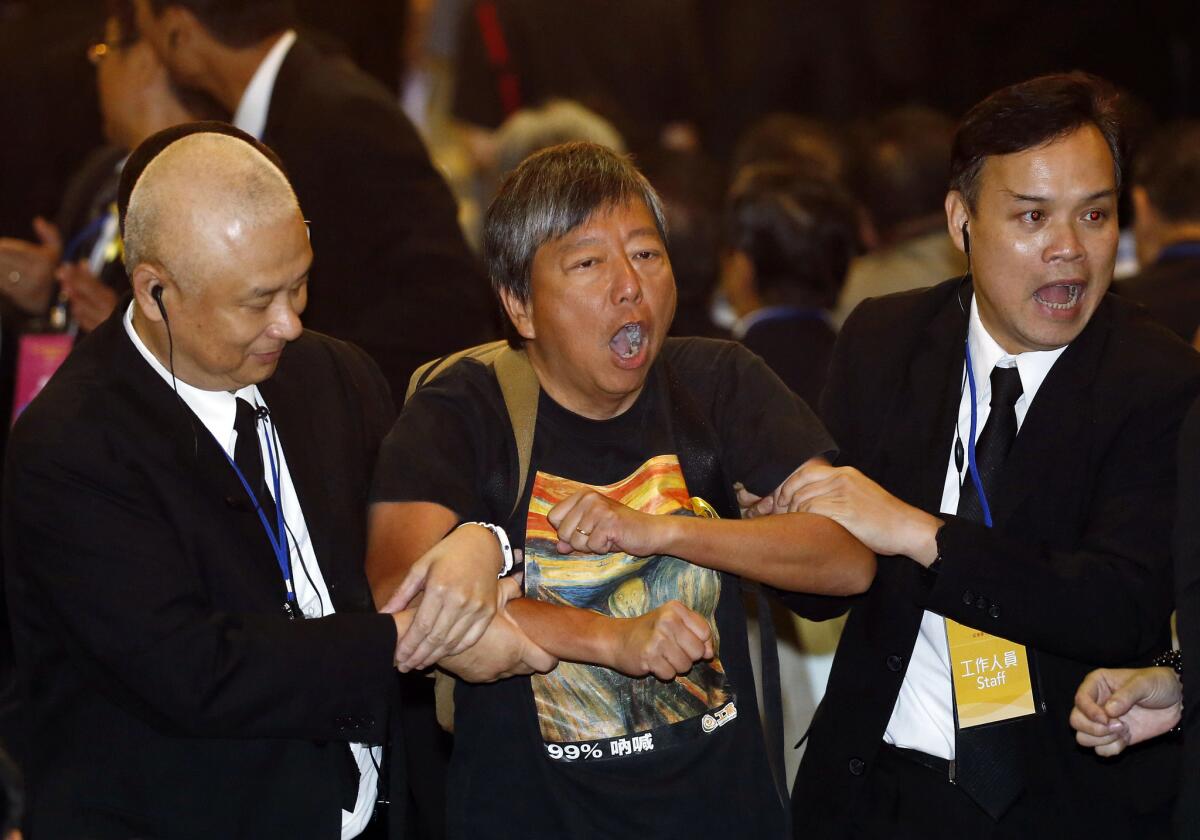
[[538, 660], [410, 587], [809, 473], [1090, 696], [510, 587], [563, 509], [1088, 731], [47, 233]]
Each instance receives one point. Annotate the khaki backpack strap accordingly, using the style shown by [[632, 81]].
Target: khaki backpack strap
[[520, 388], [432, 370]]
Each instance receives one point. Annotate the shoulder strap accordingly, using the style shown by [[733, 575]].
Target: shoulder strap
[[699, 458], [518, 386]]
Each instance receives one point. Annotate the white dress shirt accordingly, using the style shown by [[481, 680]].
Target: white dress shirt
[[923, 717], [251, 113], [216, 410]]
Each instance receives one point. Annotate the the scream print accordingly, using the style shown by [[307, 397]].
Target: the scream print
[[587, 703]]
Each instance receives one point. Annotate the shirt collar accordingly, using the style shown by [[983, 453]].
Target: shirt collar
[[215, 409], [744, 324], [251, 113], [1033, 366]]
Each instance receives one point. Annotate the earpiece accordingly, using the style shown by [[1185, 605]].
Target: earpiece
[[157, 293], [966, 240]]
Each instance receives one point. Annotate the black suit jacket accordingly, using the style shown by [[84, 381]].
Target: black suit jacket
[[1170, 290], [167, 695], [1076, 567], [1187, 594], [391, 271]]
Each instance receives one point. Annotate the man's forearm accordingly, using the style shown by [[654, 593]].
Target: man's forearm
[[800, 552], [569, 633]]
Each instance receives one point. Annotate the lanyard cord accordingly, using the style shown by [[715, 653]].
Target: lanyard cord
[[974, 470], [278, 537]]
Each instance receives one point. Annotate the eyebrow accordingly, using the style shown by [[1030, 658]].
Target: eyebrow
[[1043, 199], [257, 291]]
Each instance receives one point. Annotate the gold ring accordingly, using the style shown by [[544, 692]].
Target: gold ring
[[585, 533], [14, 277]]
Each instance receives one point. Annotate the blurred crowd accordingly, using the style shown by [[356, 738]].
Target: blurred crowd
[[801, 152]]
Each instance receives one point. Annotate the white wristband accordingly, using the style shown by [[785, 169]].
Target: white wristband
[[505, 545]]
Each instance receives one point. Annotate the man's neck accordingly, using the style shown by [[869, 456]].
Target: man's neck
[[153, 339], [233, 68]]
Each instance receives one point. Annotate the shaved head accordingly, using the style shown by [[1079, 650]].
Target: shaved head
[[197, 199]]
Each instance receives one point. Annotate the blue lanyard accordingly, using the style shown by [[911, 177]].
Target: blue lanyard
[[80, 239], [278, 538], [971, 468]]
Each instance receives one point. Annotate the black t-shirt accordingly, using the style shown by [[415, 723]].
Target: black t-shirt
[[585, 751]]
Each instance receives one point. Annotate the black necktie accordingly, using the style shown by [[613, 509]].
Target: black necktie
[[987, 760], [247, 454]]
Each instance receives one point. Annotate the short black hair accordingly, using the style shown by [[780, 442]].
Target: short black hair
[[1031, 114], [236, 23], [1168, 168], [901, 165], [800, 233]]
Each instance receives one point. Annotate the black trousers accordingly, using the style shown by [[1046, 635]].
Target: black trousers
[[908, 800]]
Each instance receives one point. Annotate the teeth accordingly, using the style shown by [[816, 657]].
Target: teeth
[[628, 341], [1072, 298]]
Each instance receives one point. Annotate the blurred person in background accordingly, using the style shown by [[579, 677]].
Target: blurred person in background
[[383, 222], [804, 143], [789, 239], [899, 175], [81, 250], [636, 62], [691, 187], [1166, 225]]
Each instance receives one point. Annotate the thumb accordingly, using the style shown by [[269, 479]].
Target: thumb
[[510, 587], [47, 233], [1126, 697]]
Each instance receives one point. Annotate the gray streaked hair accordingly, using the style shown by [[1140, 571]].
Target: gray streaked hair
[[550, 194]]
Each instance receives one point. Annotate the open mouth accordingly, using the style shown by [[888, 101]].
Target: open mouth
[[1060, 296], [628, 340]]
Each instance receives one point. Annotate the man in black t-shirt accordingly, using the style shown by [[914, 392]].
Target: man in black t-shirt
[[649, 725]]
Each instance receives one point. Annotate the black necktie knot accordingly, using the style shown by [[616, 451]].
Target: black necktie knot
[[247, 454], [1006, 388]]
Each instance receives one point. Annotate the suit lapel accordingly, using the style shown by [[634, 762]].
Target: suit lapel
[[194, 450], [927, 407], [1059, 413]]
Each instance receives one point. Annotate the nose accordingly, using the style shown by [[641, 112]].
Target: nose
[[1064, 244], [627, 286], [285, 322]]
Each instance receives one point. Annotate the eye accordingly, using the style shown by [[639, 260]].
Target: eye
[[1033, 215], [585, 264], [1095, 216], [645, 254]]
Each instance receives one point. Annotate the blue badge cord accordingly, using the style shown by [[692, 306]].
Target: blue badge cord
[[971, 467], [277, 537]]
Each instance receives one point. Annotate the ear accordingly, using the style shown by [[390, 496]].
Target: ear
[[520, 312], [146, 277], [957, 215]]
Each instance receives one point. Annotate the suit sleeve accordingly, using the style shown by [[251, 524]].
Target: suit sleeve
[[104, 569], [1106, 601], [1187, 593], [836, 400]]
